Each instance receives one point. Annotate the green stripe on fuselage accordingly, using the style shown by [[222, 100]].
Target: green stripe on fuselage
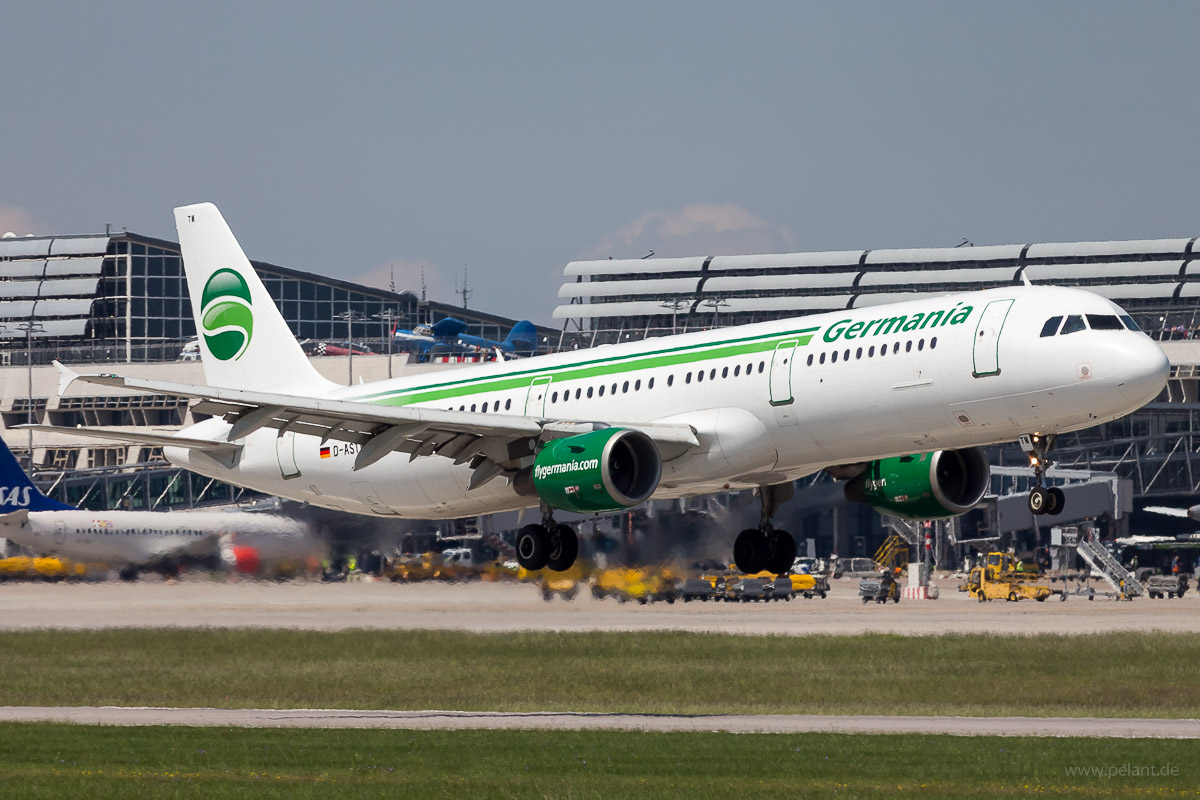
[[591, 369]]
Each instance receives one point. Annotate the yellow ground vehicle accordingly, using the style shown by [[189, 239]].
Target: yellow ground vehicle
[[426, 566], [643, 584], [48, 569], [565, 584], [1000, 579]]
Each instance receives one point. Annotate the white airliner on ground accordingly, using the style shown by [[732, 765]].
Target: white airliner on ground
[[132, 540], [855, 392]]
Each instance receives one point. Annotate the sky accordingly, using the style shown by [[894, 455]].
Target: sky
[[505, 139]]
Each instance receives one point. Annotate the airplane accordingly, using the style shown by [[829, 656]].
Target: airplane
[[449, 335], [898, 400], [137, 540]]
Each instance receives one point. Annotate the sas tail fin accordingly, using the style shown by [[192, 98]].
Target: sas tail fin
[[244, 341], [522, 339], [17, 491]]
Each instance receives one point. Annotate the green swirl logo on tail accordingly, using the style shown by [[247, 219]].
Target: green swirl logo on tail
[[225, 315]]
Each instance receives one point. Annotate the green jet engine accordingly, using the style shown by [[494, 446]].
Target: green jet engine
[[937, 485], [605, 470]]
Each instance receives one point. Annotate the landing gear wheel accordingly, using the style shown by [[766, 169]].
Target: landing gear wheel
[[533, 547], [750, 550], [782, 552], [1039, 500], [564, 547], [1058, 500]]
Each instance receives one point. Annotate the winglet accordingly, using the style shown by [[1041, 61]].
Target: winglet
[[65, 377]]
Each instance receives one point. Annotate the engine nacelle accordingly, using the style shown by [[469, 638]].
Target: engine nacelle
[[605, 470], [937, 485]]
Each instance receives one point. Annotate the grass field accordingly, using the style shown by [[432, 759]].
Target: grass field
[[97, 762], [1151, 675]]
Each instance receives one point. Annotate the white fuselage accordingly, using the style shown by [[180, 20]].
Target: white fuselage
[[770, 402], [137, 537]]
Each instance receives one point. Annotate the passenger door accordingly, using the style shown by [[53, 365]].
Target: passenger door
[[782, 398], [986, 351]]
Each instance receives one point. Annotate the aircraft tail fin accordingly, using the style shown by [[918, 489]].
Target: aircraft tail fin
[[522, 339], [18, 492], [244, 340]]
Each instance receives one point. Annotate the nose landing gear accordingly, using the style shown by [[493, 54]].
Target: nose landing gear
[[1042, 500], [764, 547]]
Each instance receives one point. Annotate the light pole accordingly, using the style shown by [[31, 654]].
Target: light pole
[[673, 306], [350, 316], [30, 329], [387, 318], [716, 304]]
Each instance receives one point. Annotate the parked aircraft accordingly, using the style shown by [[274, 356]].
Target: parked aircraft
[[449, 336], [137, 540], [898, 400]]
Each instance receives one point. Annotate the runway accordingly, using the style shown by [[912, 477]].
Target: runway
[[505, 607], [661, 723]]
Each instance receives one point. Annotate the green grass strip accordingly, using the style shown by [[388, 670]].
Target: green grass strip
[[1114, 675], [98, 762]]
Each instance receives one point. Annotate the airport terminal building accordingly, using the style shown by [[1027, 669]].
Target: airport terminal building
[[121, 298]]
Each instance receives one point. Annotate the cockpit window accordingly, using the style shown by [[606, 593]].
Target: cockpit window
[[1074, 323], [1104, 322], [1051, 326], [1129, 323]]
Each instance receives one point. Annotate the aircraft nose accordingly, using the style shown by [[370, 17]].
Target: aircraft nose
[[1140, 369]]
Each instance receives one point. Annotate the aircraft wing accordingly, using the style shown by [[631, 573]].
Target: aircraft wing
[[494, 444], [448, 327]]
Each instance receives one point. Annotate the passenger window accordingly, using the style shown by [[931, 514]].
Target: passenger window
[[908, 346], [896, 348], [637, 385], [625, 387], [508, 404], [858, 354], [822, 358], [724, 372], [1129, 323], [472, 406], [920, 344], [1073, 324], [846, 355], [712, 374], [834, 357], [933, 343], [1051, 326], [578, 392], [871, 351], [699, 375], [810, 358], [761, 365], [737, 370], [614, 388], [589, 392], [1103, 322], [688, 378], [650, 383], [671, 380]]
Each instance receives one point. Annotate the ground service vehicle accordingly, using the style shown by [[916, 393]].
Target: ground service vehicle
[[881, 588], [999, 579], [1166, 586]]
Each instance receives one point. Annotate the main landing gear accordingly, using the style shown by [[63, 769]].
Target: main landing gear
[[1041, 499], [547, 546], [764, 547]]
